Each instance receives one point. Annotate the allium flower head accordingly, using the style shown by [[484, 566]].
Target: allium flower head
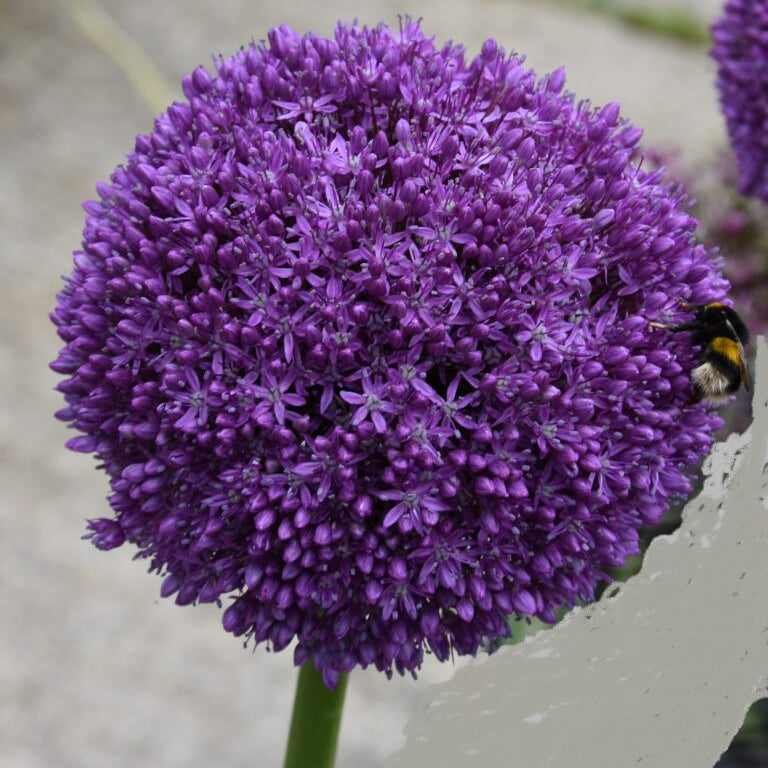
[[741, 52], [359, 334]]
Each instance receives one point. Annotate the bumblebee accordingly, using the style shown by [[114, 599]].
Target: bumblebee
[[722, 336]]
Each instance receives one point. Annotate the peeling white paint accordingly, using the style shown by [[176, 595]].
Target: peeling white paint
[[661, 673]]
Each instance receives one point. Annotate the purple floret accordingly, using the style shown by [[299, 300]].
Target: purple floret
[[741, 52], [360, 335]]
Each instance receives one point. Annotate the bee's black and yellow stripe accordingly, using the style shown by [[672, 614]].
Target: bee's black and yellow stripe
[[727, 349], [721, 334], [720, 372]]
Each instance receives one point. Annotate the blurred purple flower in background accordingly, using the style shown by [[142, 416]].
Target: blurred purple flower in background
[[730, 222], [738, 226], [741, 52], [359, 334]]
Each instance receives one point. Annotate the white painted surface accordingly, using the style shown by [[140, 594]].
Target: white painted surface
[[660, 675]]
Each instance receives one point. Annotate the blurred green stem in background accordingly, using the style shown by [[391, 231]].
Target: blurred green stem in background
[[674, 23], [124, 52], [316, 720]]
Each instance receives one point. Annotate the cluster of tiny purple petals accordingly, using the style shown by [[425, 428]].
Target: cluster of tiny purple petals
[[359, 334], [741, 51]]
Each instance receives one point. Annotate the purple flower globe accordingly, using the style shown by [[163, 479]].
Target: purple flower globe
[[741, 52], [360, 335]]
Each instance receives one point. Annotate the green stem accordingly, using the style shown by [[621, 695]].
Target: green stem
[[315, 722]]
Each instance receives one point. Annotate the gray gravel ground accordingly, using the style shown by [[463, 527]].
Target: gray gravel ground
[[95, 670]]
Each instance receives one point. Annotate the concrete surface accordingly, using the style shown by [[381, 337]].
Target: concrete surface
[[96, 670]]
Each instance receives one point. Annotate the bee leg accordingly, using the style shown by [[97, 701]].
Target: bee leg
[[697, 395], [693, 325]]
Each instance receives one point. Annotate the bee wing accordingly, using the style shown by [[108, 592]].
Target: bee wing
[[746, 376]]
